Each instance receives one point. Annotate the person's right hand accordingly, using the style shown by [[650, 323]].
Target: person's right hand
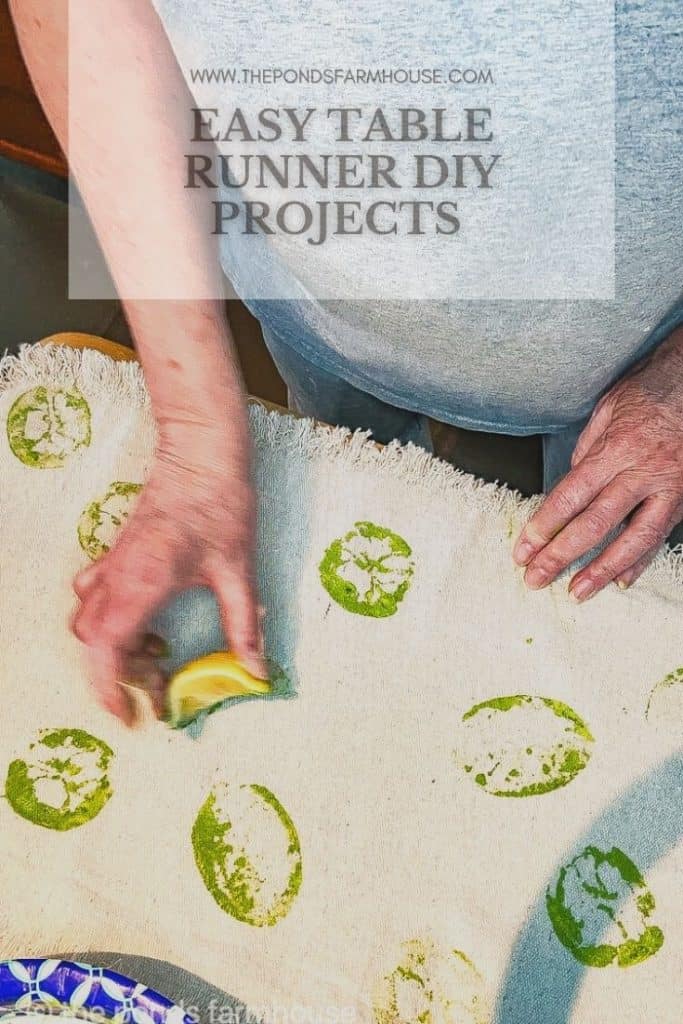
[[193, 525]]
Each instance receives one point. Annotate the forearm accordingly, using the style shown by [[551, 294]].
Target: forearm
[[192, 376], [127, 156]]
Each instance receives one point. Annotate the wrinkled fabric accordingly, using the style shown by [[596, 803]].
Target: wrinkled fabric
[[480, 785]]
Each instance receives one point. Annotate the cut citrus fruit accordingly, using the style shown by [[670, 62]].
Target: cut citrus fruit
[[208, 681]]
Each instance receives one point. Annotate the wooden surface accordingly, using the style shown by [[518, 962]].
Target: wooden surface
[[76, 339], [25, 134]]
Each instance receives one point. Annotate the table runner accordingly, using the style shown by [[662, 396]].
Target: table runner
[[470, 812]]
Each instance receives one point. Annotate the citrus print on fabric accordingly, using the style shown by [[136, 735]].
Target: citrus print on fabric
[[46, 425], [666, 699], [368, 571], [600, 909], [63, 782], [247, 851], [523, 746], [429, 986], [101, 519]]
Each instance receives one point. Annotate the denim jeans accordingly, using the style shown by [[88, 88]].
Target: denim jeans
[[315, 392], [321, 395]]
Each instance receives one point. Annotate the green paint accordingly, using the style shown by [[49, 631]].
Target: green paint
[[674, 678], [228, 868], [529, 640], [368, 571], [513, 769], [564, 711], [101, 519], [46, 425], [595, 891], [429, 987], [497, 704], [63, 783]]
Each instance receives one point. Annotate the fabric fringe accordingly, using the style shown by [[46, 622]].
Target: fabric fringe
[[63, 366], [124, 382]]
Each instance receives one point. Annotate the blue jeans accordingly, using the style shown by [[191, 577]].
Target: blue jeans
[[314, 392], [321, 395]]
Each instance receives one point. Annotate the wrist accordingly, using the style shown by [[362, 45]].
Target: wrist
[[212, 440]]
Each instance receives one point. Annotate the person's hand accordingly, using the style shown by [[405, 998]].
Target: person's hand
[[628, 462], [193, 525]]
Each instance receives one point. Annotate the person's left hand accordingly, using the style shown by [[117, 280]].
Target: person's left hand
[[628, 462]]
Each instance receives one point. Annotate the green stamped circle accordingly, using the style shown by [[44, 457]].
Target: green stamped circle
[[665, 702], [429, 986], [63, 781], [522, 746], [603, 892], [46, 425], [101, 519], [368, 571], [247, 851]]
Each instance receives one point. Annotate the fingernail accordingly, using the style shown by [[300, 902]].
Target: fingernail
[[625, 581], [523, 552], [582, 590], [536, 579]]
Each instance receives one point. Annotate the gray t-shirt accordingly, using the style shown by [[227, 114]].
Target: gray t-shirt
[[516, 366]]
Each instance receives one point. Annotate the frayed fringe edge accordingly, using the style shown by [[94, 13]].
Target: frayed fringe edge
[[94, 372], [87, 369]]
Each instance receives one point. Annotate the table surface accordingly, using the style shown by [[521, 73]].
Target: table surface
[[25, 134]]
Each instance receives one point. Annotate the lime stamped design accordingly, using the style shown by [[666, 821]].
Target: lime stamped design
[[430, 987], [101, 519], [368, 571], [666, 698], [600, 909], [46, 425], [523, 746], [247, 851], [63, 782]]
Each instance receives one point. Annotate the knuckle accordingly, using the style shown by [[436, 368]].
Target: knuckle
[[605, 570], [82, 583], [550, 563], [672, 497], [599, 521], [651, 535], [148, 572], [82, 630], [632, 485], [563, 502], [621, 442]]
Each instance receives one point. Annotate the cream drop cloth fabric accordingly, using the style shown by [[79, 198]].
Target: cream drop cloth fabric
[[472, 810]]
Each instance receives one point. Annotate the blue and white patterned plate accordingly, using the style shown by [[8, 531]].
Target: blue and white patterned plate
[[79, 990]]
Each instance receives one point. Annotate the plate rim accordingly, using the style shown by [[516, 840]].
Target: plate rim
[[140, 1004]]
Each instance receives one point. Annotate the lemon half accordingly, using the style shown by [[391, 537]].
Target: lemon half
[[208, 681]]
